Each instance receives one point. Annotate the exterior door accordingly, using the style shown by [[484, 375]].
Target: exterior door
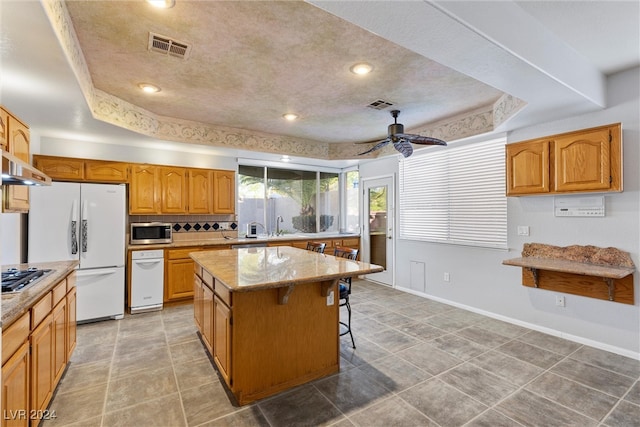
[[378, 227]]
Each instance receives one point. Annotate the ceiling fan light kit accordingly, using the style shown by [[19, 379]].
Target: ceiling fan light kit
[[401, 141]]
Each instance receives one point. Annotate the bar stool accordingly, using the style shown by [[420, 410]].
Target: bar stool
[[316, 247], [345, 288]]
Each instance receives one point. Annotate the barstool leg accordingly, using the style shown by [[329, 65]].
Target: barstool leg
[[353, 343]]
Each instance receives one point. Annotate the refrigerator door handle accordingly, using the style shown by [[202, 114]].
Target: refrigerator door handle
[[74, 227], [85, 226]]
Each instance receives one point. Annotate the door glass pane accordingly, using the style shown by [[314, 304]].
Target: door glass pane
[[378, 225]]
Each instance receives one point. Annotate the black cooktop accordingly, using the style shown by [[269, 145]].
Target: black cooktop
[[15, 280]]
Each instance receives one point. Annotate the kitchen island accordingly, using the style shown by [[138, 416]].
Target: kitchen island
[[269, 316]]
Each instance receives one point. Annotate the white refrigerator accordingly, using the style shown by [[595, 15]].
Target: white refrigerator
[[84, 222]]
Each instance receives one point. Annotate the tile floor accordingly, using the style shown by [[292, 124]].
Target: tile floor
[[418, 363]]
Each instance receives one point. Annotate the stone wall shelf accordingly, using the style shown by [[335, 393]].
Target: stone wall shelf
[[603, 273]]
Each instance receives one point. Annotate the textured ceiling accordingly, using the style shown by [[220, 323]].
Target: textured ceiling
[[251, 62]]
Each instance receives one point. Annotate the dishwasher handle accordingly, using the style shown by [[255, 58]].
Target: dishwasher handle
[[148, 261]]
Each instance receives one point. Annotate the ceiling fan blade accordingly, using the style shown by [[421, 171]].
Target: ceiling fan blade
[[404, 147], [376, 147], [371, 142], [422, 140]]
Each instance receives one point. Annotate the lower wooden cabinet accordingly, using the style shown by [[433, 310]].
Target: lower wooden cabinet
[[36, 349], [42, 369], [207, 330], [178, 280], [222, 337], [15, 388]]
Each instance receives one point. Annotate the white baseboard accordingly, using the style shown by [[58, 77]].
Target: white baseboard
[[580, 340]]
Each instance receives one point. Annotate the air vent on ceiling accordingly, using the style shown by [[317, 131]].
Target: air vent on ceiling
[[168, 46], [380, 104]]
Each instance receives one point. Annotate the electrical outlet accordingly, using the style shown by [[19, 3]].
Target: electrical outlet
[[330, 299], [523, 230], [447, 277], [223, 226], [560, 301]]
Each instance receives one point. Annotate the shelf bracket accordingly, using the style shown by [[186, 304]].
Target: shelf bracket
[[534, 272], [326, 287], [612, 287], [283, 294]]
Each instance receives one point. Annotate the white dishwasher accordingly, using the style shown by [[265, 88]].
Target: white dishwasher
[[147, 280]]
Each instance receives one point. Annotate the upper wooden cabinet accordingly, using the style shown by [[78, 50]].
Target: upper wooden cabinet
[[224, 192], [589, 160], [173, 190], [72, 169], [15, 141], [200, 191], [143, 190]]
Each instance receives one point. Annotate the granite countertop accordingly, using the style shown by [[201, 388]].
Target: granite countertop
[[242, 270], [242, 240], [16, 304]]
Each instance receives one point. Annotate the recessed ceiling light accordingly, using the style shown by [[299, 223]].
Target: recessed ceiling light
[[148, 88], [290, 116], [164, 4], [361, 68]]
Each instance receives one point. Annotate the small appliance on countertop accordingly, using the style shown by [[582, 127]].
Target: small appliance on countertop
[[252, 230]]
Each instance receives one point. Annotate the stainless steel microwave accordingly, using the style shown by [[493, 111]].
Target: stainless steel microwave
[[149, 233]]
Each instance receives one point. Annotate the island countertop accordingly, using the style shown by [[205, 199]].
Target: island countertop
[[247, 269]]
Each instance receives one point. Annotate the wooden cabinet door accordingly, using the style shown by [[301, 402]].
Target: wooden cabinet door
[[222, 338], [582, 161], [173, 190], [60, 169], [528, 167], [42, 340], [198, 299], [200, 191], [4, 131], [59, 340], [208, 318], [71, 322], [103, 171], [179, 279], [15, 389], [143, 194], [17, 196], [224, 192]]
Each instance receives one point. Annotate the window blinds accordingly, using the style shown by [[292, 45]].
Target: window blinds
[[455, 195]]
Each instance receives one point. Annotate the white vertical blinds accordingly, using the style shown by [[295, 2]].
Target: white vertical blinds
[[455, 195]]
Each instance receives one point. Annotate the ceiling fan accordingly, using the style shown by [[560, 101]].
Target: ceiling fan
[[401, 141]]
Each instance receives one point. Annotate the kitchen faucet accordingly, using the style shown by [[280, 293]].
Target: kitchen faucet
[[279, 219]]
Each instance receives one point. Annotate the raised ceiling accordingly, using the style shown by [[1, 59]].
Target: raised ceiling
[[454, 69]]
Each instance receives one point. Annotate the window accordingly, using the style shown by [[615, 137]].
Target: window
[[352, 202], [289, 201], [455, 195]]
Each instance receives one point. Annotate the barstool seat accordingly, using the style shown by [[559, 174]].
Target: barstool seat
[[316, 247]]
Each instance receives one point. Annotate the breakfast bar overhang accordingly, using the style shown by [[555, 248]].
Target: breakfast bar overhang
[[269, 315]]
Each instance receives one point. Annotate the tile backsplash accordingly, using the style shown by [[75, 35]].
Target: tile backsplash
[[194, 227]]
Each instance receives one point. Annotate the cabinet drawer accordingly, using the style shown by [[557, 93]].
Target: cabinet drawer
[[179, 253], [59, 291], [353, 242], [223, 293], [207, 279], [15, 335], [40, 310], [197, 269], [71, 281]]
